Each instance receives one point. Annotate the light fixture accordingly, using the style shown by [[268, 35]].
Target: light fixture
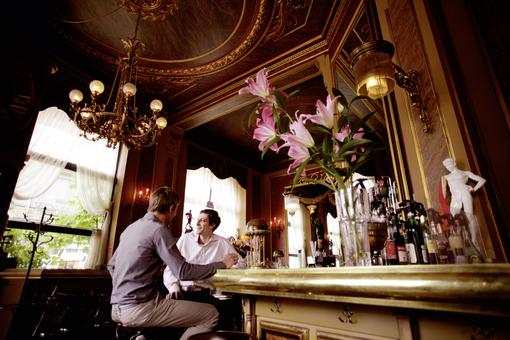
[[121, 122], [376, 75], [291, 203]]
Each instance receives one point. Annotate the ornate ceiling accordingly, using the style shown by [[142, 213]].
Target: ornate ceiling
[[198, 54]]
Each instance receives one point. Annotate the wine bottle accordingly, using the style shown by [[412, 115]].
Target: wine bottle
[[457, 243], [390, 250], [430, 241], [400, 242], [413, 243], [443, 247]]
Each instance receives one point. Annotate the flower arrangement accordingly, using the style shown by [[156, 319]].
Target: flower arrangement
[[325, 138]]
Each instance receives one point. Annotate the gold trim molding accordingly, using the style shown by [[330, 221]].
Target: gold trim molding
[[475, 289]]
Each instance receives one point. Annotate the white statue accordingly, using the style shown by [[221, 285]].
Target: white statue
[[461, 198]]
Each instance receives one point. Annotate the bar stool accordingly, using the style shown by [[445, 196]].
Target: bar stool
[[222, 335], [141, 333]]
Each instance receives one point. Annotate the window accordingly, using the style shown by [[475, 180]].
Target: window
[[71, 179], [226, 196]]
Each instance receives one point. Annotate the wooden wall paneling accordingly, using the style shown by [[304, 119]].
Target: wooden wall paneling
[[481, 113], [412, 26], [410, 55]]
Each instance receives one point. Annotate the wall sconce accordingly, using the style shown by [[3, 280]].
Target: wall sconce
[[142, 196], [276, 226], [376, 75], [291, 203]]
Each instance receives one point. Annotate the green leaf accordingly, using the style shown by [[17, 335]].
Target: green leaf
[[273, 140], [353, 144], [361, 122], [319, 129], [252, 116], [299, 170], [341, 98], [292, 94]]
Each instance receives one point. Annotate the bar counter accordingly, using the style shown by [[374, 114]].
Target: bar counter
[[476, 288]]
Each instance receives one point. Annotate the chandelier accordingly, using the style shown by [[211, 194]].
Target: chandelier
[[120, 122]]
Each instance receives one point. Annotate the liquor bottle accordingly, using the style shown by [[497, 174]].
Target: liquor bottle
[[431, 243], [457, 243], [413, 240], [390, 250], [472, 254], [423, 228], [400, 242], [443, 247]]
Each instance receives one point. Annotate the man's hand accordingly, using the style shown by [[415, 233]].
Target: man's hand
[[174, 292], [230, 260]]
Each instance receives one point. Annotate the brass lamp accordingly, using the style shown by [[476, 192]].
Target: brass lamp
[[376, 75], [291, 203], [373, 69]]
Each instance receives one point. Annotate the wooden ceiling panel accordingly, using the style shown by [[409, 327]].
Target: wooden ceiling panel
[[198, 54]]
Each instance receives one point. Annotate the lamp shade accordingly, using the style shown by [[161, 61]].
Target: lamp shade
[[373, 69], [291, 203]]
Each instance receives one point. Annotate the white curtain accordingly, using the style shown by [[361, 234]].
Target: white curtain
[[52, 142], [55, 142], [227, 195], [95, 172]]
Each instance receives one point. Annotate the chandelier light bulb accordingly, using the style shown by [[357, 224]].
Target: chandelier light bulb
[[96, 87], [156, 105], [161, 123], [85, 114], [377, 87], [129, 89], [75, 96]]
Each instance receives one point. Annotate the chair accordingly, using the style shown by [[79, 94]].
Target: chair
[[152, 333], [221, 335]]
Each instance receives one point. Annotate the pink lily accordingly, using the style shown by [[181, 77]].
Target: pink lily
[[260, 87], [346, 130], [358, 135], [299, 133], [298, 140], [298, 152], [265, 130], [324, 113]]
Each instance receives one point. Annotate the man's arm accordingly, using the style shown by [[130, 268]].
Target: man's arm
[[171, 256], [172, 284]]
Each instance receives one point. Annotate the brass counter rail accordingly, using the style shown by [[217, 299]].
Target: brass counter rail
[[475, 289]]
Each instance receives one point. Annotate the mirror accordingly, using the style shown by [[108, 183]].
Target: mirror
[[226, 139]]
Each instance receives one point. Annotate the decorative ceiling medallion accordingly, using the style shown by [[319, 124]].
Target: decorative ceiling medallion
[[144, 70], [153, 10], [229, 59]]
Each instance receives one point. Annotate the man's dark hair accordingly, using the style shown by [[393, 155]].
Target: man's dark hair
[[214, 218], [162, 199]]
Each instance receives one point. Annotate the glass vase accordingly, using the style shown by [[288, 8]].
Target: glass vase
[[353, 211]]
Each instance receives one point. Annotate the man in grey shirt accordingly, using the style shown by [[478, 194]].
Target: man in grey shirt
[[136, 265]]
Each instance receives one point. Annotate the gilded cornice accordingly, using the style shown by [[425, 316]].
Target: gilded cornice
[[295, 58], [475, 289]]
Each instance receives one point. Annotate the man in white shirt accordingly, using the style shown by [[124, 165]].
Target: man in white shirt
[[201, 246]]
